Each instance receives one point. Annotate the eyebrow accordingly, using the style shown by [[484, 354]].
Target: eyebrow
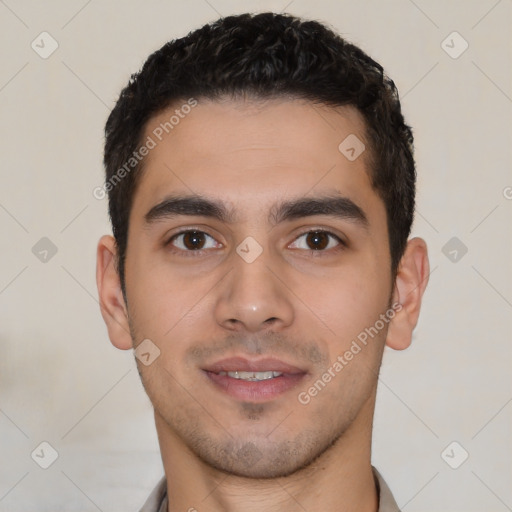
[[339, 207], [195, 205]]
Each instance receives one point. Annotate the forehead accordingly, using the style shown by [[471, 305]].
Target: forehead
[[251, 153]]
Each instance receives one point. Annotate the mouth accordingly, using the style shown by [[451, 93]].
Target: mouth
[[252, 376], [254, 380]]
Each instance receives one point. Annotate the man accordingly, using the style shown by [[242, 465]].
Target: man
[[261, 190]]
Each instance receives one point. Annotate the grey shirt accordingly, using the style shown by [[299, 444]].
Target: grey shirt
[[158, 502]]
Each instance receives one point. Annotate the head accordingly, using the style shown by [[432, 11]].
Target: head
[[255, 128], [265, 56]]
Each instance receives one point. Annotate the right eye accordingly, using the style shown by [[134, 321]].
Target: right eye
[[193, 240]]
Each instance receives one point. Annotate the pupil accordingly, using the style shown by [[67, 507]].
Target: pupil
[[193, 240], [319, 240]]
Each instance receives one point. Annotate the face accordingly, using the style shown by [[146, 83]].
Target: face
[[257, 254]]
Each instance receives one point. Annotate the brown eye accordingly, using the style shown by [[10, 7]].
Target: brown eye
[[317, 240], [193, 240]]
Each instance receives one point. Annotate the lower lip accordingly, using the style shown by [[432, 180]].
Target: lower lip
[[256, 391]]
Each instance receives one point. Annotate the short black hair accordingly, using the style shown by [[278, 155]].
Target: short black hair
[[265, 56]]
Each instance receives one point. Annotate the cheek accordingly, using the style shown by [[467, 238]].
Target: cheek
[[345, 302], [164, 301]]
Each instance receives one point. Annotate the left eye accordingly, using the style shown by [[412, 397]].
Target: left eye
[[316, 241], [193, 241]]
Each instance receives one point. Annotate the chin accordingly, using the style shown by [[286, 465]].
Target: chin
[[257, 461]]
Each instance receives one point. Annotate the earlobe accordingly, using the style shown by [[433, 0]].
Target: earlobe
[[410, 283], [112, 304]]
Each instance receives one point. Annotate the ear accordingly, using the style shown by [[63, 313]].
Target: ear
[[112, 304], [410, 283]]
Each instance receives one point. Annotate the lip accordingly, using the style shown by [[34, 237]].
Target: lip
[[233, 364], [254, 391]]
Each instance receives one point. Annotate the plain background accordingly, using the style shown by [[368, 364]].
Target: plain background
[[61, 381]]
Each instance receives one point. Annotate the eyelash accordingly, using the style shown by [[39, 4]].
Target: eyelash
[[314, 252]]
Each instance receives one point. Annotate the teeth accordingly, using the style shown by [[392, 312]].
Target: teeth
[[252, 376]]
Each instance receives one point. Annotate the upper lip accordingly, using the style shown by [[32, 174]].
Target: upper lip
[[243, 364]]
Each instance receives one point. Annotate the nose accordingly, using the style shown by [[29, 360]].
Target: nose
[[253, 298]]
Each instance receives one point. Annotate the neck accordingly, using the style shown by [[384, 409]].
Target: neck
[[340, 480]]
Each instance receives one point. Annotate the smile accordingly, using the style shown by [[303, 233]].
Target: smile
[[252, 376]]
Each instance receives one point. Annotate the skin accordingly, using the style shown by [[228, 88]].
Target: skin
[[297, 304]]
